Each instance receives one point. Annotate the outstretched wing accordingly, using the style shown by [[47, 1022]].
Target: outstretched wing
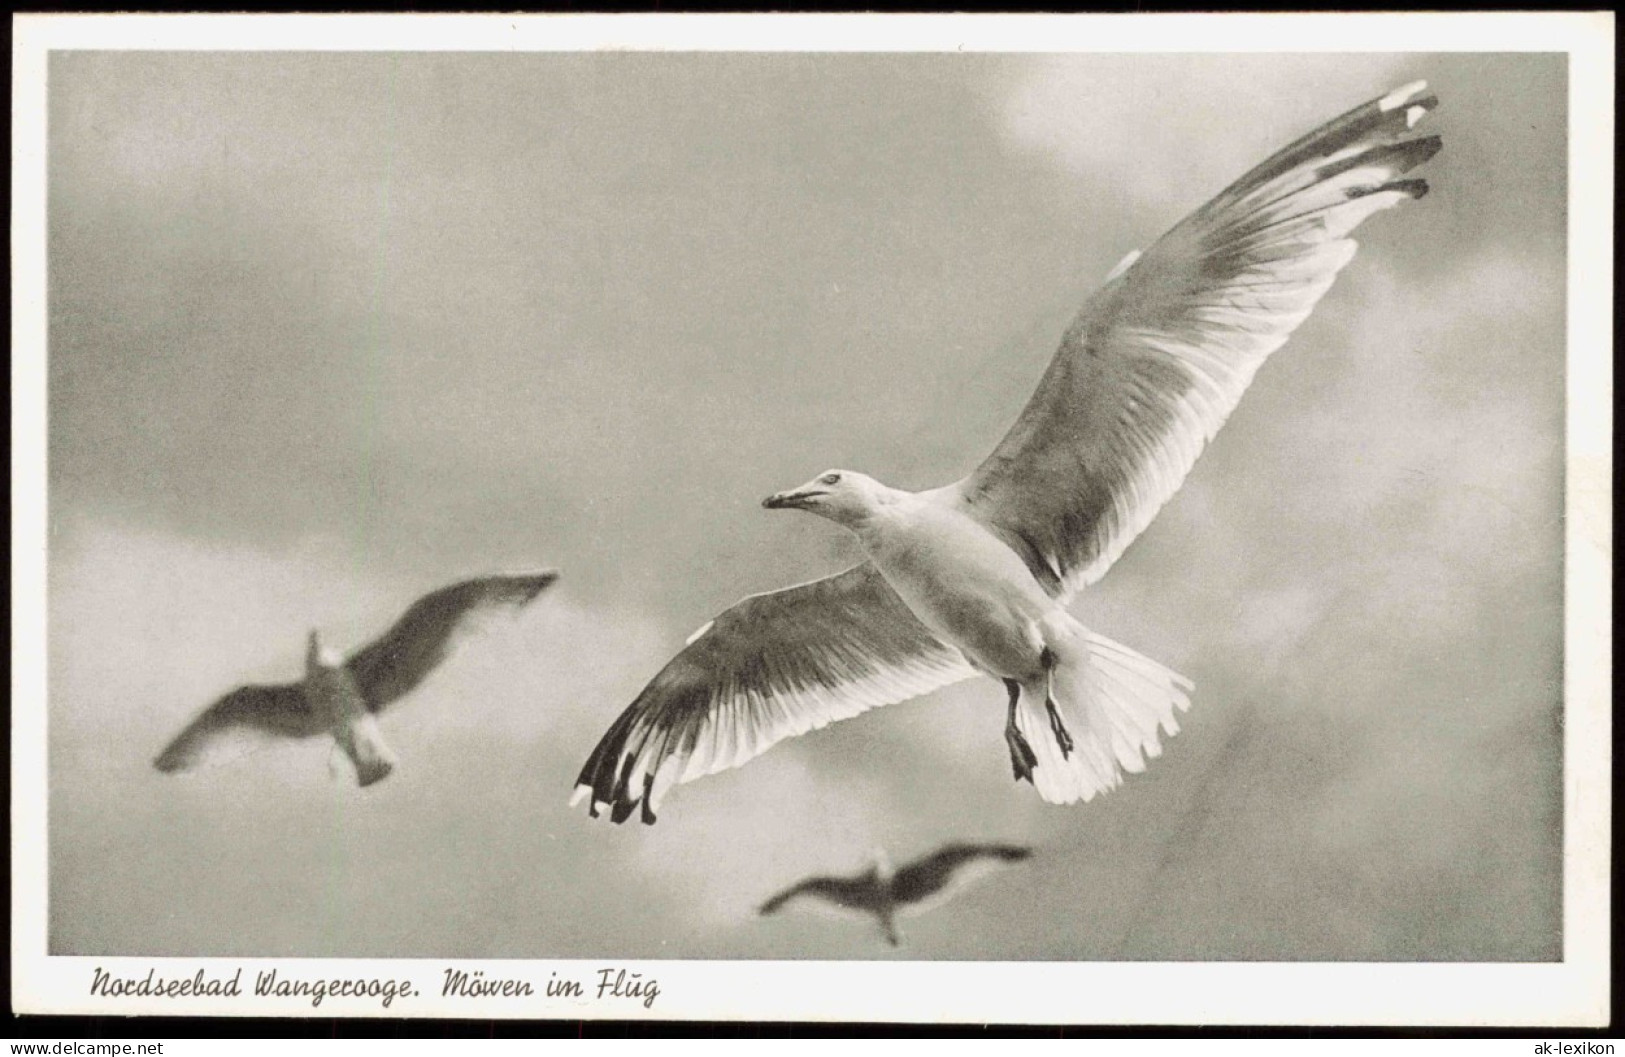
[[927, 882], [1158, 358], [238, 723], [421, 639], [773, 666], [851, 893]]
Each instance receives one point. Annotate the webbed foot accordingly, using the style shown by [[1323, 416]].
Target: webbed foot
[[1022, 757], [1063, 737]]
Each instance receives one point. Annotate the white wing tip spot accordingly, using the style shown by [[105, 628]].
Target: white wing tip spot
[[1400, 96], [1123, 265], [703, 629], [580, 794]]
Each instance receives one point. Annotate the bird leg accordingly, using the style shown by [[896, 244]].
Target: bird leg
[[1022, 757], [1063, 737]]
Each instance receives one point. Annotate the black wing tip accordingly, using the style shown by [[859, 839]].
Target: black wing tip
[[1403, 155], [531, 583], [622, 804], [987, 850], [179, 755], [604, 784], [620, 810], [1415, 187], [1427, 104], [647, 816], [1423, 148], [1376, 123], [543, 578], [516, 587], [1001, 849], [1419, 150], [1396, 111], [1406, 96]]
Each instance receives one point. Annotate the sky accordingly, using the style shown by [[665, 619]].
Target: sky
[[330, 330]]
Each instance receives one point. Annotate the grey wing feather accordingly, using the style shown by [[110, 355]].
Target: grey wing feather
[[1159, 357], [424, 636], [854, 894], [946, 871], [773, 666], [238, 722]]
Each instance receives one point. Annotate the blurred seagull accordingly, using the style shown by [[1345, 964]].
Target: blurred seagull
[[974, 577], [922, 885], [341, 697]]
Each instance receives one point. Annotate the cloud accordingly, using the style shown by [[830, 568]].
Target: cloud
[[745, 834], [147, 628], [1109, 120]]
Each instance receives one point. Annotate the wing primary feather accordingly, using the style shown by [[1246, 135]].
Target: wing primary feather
[[771, 667], [238, 723], [395, 663], [1157, 360]]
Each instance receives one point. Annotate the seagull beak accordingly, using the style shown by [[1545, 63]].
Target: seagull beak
[[791, 500]]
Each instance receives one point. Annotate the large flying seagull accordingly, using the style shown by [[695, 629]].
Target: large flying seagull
[[342, 697], [975, 576]]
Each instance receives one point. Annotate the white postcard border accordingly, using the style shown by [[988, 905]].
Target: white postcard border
[[1573, 992]]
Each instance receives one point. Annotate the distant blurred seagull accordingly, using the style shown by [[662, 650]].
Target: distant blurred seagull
[[341, 697], [920, 886], [974, 577]]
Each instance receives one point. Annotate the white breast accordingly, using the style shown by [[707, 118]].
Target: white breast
[[963, 583]]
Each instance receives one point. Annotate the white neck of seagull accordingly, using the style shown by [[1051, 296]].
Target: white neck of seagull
[[876, 501], [852, 517]]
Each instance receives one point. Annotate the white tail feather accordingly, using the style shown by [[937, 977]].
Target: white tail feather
[[363, 742], [1115, 703]]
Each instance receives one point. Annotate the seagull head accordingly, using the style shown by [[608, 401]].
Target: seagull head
[[881, 865], [317, 656], [843, 496]]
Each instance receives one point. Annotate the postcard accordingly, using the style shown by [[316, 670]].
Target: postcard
[[1021, 519]]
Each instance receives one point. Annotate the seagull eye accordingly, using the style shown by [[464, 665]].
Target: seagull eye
[[830, 478]]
